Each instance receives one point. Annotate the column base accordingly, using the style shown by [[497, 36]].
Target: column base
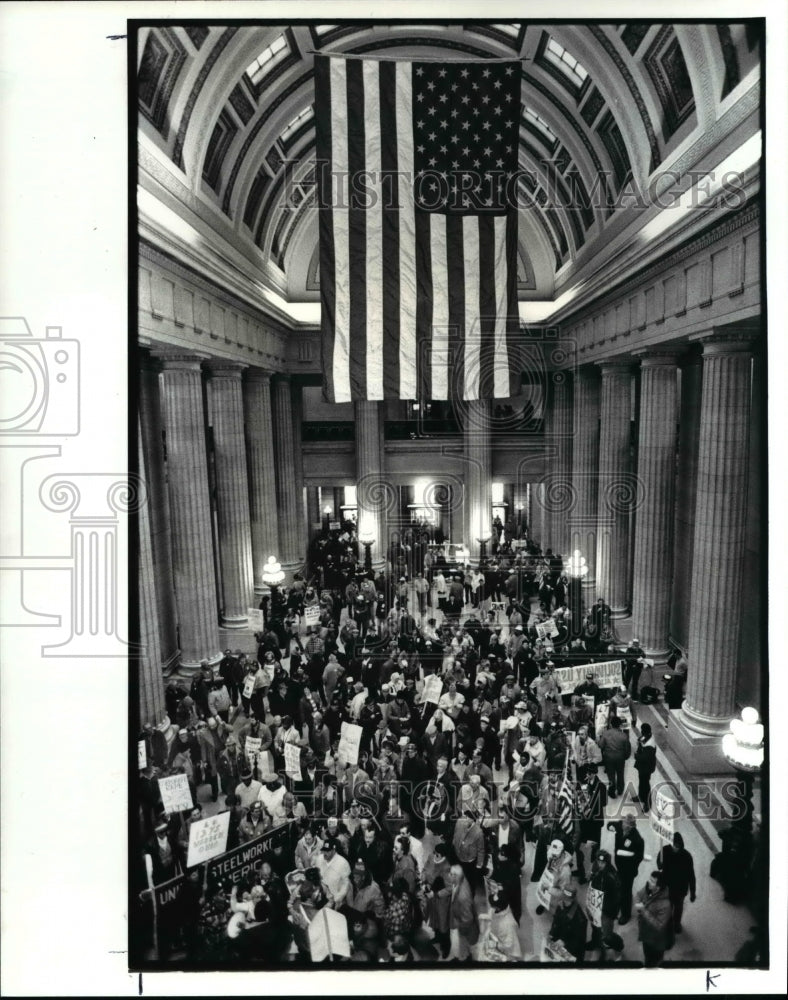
[[188, 668], [290, 569], [617, 613], [234, 621], [659, 656], [261, 591], [699, 752]]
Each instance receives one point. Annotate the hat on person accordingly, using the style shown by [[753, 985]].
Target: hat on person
[[521, 705], [484, 718], [329, 844], [308, 756], [510, 677], [183, 731], [269, 777], [570, 891], [358, 686], [246, 772], [590, 674], [161, 825], [518, 628], [603, 855]]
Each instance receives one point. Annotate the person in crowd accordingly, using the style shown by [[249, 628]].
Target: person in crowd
[[334, 872], [307, 850], [616, 750], [254, 824], [463, 918], [437, 890], [605, 881], [655, 919], [364, 895], [645, 765], [399, 917], [503, 927], [570, 924], [506, 872], [629, 849], [559, 864], [678, 871], [591, 799], [248, 789]]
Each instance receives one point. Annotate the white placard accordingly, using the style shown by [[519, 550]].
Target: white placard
[[207, 838], [328, 935], [175, 793], [600, 719], [334, 525], [433, 685], [252, 747], [594, 906], [624, 712], [312, 615], [248, 690], [544, 887], [256, 620], [142, 755], [293, 761], [349, 743], [664, 809]]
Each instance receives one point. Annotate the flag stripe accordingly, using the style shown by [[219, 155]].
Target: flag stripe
[[487, 303], [357, 229], [501, 276], [429, 269], [456, 295], [439, 365], [391, 233], [374, 232], [340, 359], [512, 312], [408, 325], [472, 287], [323, 129]]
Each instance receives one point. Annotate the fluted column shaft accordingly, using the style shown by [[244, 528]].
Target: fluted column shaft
[[151, 681], [371, 492], [558, 437], [288, 499], [478, 475], [190, 511], [585, 470], [232, 493], [152, 470], [616, 486], [263, 513], [719, 534], [653, 563]]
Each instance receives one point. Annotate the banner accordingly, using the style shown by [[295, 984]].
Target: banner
[[293, 761], [328, 935], [544, 887], [142, 756], [433, 685], [256, 620], [312, 615], [207, 838], [594, 906], [606, 675], [175, 793], [349, 743]]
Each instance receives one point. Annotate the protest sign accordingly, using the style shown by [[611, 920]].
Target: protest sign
[[588, 699], [207, 838], [312, 615], [248, 690], [544, 887], [142, 756], [664, 809], [252, 748], [349, 742], [624, 712], [256, 620], [175, 793], [265, 762], [600, 720], [594, 906], [328, 935], [547, 629], [433, 685], [334, 525], [293, 761]]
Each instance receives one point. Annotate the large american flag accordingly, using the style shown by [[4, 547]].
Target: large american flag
[[417, 165]]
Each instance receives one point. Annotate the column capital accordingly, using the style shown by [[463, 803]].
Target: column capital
[[731, 342], [617, 366], [257, 375], [180, 360], [658, 357], [225, 369]]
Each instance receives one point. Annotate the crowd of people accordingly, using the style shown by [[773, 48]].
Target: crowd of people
[[458, 792]]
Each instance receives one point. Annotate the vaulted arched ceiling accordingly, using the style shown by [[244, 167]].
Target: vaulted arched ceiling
[[227, 126]]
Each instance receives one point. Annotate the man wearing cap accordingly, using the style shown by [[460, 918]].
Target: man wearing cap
[[589, 686], [272, 792], [219, 700], [569, 926], [364, 896], [605, 881], [584, 753], [559, 863], [629, 850], [247, 790], [334, 873]]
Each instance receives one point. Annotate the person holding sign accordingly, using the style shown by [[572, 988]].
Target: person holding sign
[[556, 877], [604, 895], [569, 926], [622, 705], [629, 850]]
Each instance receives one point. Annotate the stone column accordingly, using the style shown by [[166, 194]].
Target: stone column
[[261, 472], [616, 487], [653, 563], [313, 515], [296, 395], [477, 521], [288, 499], [558, 483], [717, 567], [150, 679], [585, 472], [190, 511], [232, 492], [371, 491], [152, 471]]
